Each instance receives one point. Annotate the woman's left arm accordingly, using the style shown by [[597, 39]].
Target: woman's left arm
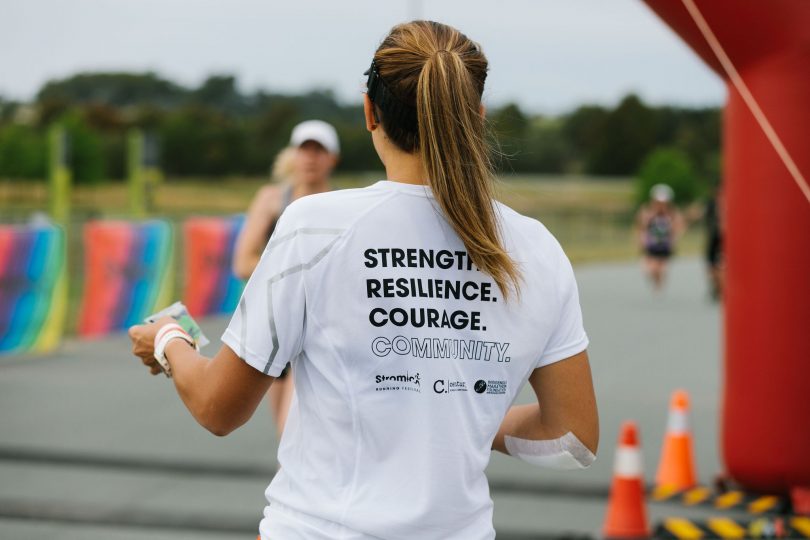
[[221, 393], [565, 402]]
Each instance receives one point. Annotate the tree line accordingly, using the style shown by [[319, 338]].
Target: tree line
[[215, 130]]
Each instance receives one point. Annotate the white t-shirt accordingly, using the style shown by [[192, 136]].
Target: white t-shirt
[[405, 360]]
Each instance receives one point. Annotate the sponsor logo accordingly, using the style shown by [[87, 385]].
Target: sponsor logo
[[446, 386], [399, 378], [391, 383], [489, 387]]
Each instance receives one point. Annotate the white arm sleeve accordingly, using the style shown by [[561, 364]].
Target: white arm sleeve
[[566, 453]]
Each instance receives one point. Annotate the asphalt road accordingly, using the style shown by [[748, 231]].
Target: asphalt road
[[91, 447]]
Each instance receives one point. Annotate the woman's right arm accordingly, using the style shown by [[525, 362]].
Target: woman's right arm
[[221, 393], [565, 402], [252, 238]]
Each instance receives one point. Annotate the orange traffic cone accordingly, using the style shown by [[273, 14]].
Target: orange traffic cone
[[676, 469], [626, 515]]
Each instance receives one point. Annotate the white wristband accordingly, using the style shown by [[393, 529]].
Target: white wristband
[[165, 328], [166, 334]]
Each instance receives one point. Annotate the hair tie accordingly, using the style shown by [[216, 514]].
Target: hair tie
[[394, 109]]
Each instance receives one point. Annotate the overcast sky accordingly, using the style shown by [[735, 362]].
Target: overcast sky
[[548, 55]]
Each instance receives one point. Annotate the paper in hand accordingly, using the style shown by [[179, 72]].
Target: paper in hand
[[179, 312]]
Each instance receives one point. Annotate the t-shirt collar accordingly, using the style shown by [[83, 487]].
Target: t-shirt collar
[[415, 189]]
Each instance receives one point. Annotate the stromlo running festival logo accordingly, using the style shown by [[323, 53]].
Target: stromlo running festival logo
[[389, 383]]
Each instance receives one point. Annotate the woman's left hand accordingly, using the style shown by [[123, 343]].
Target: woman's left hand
[[143, 342]]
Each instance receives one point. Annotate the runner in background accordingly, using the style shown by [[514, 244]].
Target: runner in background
[[659, 225], [301, 169], [713, 218]]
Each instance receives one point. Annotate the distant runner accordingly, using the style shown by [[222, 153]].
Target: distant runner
[[659, 225], [714, 243], [303, 168]]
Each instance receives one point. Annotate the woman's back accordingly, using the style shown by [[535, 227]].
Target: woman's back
[[406, 359]]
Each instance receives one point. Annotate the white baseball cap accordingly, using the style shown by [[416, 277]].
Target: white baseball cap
[[662, 192], [318, 131]]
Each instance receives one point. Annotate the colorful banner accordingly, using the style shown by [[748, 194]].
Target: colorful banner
[[128, 274], [33, 287], [211, 286]]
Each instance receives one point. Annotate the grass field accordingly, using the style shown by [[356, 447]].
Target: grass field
[[592, 218]]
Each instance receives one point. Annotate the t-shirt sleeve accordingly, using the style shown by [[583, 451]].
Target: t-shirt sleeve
[[267, 329], [568, 337]]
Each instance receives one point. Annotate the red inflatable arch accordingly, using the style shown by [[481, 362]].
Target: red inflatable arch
[[766, 403]]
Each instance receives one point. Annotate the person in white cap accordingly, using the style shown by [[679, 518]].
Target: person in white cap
[[659, 225], [301, 169]]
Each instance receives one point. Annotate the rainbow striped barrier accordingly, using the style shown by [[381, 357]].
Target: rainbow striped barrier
[[128, 274], [33, 287], [211, 286]]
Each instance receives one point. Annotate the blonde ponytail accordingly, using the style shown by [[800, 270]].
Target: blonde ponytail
[[440, 72]]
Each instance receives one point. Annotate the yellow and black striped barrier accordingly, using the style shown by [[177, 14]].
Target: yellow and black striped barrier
[[729, 500], [726, 528]]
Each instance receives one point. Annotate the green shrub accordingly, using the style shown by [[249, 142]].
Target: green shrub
[[85, 150], [668, 166], [23, 152]]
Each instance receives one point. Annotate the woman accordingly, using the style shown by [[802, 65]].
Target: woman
[[713, 217], [304, 167], [659, 225], [413, 311]]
